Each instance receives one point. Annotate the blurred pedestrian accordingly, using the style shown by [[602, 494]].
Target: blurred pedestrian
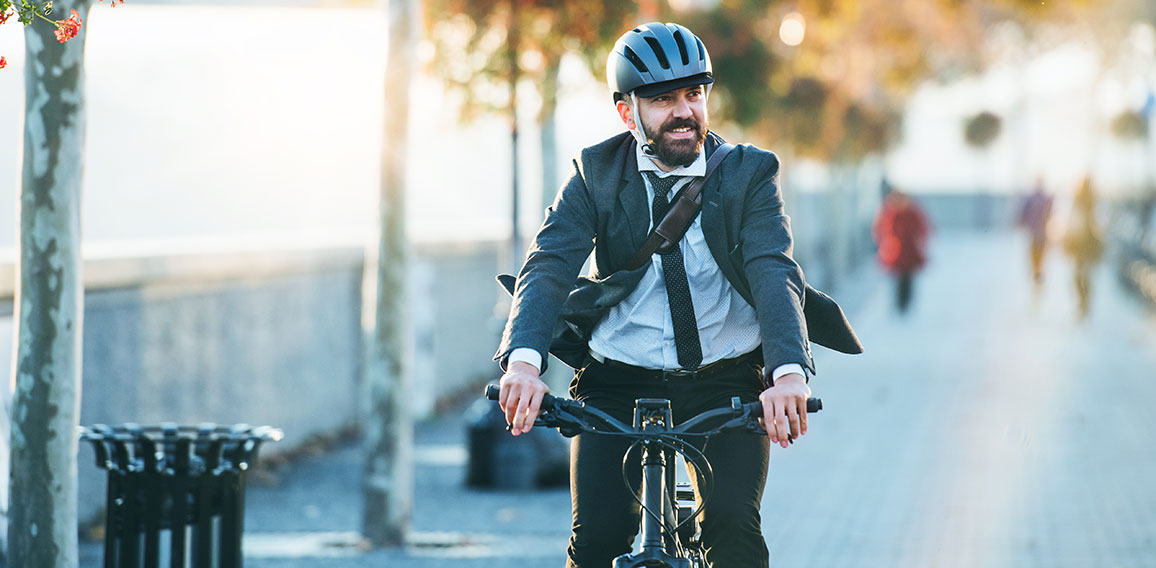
[[1035, 213], [901, 230], [1084, 243]]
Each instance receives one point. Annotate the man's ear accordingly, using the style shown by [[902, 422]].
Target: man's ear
[[623, 109]]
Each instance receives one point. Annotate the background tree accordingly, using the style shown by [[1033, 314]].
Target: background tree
[[837, 95], [49, 302], [388, 481], [980, 132], [546, 30]]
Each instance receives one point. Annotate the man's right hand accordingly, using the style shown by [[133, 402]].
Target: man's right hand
[[521, 396]]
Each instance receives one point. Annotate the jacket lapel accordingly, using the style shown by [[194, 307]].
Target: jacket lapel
[[632, 200], [713, 218], [715, 228]]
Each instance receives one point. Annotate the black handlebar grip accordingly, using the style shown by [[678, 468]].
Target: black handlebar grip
[[493, 392], [814, 405]]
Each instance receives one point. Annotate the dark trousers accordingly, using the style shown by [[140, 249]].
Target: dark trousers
[[904, 284], [606, 517]]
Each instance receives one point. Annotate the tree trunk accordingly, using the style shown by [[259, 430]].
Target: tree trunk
[[549, 132], [388, 485], [512, 50], [49, 304]]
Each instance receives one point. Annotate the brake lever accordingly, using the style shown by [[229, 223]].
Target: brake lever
[[567, 424], [751, 423]]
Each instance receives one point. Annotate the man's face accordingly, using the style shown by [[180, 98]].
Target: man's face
[[675, 124]]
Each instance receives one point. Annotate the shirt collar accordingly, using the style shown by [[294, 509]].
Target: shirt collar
[[695, 168]]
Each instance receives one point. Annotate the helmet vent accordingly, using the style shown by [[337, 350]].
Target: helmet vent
[[682, 48], [635, 60], [658, 52], [701, 50]]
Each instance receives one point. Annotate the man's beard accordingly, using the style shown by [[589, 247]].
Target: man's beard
[[677, 153]]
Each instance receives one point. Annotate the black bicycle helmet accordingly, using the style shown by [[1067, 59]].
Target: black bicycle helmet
[[656, 58]]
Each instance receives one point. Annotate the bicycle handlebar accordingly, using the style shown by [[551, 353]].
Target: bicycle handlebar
[[572, 417]]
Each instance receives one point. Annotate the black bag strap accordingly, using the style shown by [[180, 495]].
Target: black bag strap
[[680, 215]]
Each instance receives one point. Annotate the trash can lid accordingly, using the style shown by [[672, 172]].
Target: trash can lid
[[173, 449]]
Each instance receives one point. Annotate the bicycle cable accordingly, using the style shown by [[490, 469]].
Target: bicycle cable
[[702, 470]]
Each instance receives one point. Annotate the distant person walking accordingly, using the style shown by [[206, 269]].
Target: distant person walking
[[1084, 243], [901, 230], [1035, 213]]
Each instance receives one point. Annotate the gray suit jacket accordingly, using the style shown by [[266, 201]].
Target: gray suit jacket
[[603, 207]]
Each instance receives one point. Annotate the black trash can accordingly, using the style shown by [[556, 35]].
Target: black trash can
[[176, 494], [501, 461], [485, 427]]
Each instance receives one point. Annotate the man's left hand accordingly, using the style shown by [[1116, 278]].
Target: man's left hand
[[785, 408]]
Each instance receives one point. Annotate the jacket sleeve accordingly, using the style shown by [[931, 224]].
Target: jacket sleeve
[[553, 262], [776, 281]]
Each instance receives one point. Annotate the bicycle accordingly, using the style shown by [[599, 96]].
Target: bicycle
[[670, 531]]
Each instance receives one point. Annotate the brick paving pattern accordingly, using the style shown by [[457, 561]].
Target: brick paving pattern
[[987, 428]]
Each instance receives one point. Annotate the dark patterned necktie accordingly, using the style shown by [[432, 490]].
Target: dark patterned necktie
[[686, 341]]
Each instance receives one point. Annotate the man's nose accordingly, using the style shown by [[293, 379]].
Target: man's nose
[[682, 108]]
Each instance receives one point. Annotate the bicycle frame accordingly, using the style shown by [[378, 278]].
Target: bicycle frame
[[659, 491]]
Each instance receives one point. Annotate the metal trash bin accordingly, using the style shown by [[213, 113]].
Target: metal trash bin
[[186, 483]]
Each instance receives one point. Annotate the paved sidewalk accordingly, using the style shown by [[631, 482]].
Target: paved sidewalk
[[452, 524], [986, 428]]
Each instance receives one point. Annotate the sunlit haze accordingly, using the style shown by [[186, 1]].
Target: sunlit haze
[[273, 127]]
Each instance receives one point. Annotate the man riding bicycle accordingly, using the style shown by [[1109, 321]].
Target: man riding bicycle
[[721, 314]]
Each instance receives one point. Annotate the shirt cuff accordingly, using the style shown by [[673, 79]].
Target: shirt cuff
[[531, 356], [775, 376]]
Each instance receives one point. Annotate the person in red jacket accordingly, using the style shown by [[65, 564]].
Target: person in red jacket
[[901, 230]]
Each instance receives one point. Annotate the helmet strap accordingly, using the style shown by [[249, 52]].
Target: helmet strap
[[637, 131]]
